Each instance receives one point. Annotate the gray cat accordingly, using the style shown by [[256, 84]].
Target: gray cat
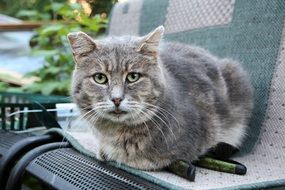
[[152, 102]]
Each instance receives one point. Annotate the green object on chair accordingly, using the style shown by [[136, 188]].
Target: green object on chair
[[221, 165], [183, 169]]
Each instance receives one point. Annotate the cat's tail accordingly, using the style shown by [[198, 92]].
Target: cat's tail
[[240, 97]]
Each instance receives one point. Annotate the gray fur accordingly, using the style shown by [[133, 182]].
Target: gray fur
[[199, 100]]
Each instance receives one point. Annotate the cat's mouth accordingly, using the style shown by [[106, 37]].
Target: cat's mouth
[[117, 112]]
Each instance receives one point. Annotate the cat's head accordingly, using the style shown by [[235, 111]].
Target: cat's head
[[118, 78]]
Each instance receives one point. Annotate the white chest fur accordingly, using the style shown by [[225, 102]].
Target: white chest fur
[[126, 149]]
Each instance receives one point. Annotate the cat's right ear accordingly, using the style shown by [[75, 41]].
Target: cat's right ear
[[81, 43], [149, 43]]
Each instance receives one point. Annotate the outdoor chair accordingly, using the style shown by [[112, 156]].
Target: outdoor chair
[[251, 32]]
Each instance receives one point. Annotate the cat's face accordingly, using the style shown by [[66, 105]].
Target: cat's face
[[118, 79]]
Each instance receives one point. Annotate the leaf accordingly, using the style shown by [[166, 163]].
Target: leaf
[[76, 6], [53, 70], [32, 88], [44, 52], [55, 7], [3, 86], [49, 87], [14, 89], [43, 41], [64, 85], [45, 16], [52, 28], [27, 13]]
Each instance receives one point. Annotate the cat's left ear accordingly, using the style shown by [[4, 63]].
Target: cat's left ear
[[149, 43]]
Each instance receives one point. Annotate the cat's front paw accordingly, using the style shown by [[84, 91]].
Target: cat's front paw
[[101, 156]]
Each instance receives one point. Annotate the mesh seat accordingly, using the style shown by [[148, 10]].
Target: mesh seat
[[65, 168], [13, 146]]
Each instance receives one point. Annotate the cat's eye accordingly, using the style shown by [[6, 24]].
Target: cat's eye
[[133, 77], [100, 78]]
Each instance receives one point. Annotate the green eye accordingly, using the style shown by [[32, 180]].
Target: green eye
[[100, 78], [133, 77]]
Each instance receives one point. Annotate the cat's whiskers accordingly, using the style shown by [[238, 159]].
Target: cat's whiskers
[[89, 118], [167, 125], [100, 103], [93, 105], [83, 116], [85, 108], [149, 134], [132, 115], [96, 116], [154, 110], [100, 111], [155, 124], [94, 109], [162, 110], [150, 137], [136, 106], [153, 113]]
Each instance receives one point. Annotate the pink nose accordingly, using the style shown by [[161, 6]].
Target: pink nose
[[117, 101]]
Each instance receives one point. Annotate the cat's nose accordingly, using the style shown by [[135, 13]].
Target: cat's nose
[[117, 101]]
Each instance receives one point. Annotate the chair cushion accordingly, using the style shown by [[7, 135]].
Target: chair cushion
[[251, 32]]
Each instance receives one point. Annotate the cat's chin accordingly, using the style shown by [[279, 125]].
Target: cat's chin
[[115, 117], [125, 118], [122, 117]]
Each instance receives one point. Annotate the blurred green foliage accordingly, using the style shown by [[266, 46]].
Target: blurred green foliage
[[101, 6], [12, 7], [51, 42]]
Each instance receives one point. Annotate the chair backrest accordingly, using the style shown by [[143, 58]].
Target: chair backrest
[[249, 31]]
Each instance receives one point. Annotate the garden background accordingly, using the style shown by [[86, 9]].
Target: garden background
[[46, 64]]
